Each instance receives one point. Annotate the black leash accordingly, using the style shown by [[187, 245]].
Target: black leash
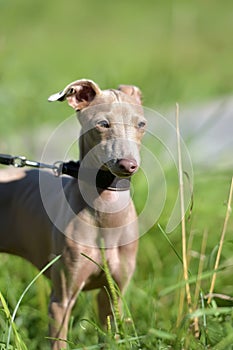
[[21, 161], [102, 178]]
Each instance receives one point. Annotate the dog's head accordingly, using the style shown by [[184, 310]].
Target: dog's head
[[112, 124]]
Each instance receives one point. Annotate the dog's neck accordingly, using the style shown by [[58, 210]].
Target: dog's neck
[[102, 179]]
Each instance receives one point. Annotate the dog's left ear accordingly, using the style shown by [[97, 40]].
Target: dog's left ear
[[133, 91], [78, 94]]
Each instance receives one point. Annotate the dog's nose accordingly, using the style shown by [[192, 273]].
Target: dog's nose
[[128, 166]]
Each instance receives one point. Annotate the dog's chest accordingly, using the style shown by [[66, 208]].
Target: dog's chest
[[98, 277], [110, 217], [112, 208]]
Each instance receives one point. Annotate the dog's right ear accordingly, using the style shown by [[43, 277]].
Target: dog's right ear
[[133, 91], [78, 94]]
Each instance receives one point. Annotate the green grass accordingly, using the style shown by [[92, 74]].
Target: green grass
[[153, 296], [174, 51]]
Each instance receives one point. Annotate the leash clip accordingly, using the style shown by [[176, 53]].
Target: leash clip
[[19, 161], [57, 168]]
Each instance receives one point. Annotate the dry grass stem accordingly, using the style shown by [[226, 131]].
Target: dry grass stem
[[182, 290], [200, 268], [198, 284], [221, 242], [189, 246], [181, 307], [183, 229]]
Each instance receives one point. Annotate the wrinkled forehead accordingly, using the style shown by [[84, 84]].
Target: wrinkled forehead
[[112, 96], [115, 109]]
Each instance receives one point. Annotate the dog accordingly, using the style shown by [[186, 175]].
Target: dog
[[43, 216]]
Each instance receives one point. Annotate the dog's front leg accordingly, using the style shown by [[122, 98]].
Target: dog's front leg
[[62, 300], [104, 306], [121, 266], [60, 313]]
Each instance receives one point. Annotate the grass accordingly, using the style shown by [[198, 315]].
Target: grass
[[175, 51], [19, 344]]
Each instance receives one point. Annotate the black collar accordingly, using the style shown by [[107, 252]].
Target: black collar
[[104, 179]]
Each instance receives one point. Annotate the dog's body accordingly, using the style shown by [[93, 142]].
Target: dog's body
[[43, 216]]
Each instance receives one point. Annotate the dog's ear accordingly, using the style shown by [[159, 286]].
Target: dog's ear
[[78, 94], [133, 91]]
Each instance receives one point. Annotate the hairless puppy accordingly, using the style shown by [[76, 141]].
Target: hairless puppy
[[43, 216]]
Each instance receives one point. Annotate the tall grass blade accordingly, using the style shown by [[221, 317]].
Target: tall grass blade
[[204, 319], [18, 341], [183, 228], [228, 212], [180, 306], [112, 290], [198, 284], [171, 244], [23, 294]]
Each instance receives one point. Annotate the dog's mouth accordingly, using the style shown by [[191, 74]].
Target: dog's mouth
[[123, 168]]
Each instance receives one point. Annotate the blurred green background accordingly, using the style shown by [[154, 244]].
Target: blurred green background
[[174, 51]]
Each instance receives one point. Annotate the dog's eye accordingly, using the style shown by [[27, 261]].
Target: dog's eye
[[141, 124], [103, 124]]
